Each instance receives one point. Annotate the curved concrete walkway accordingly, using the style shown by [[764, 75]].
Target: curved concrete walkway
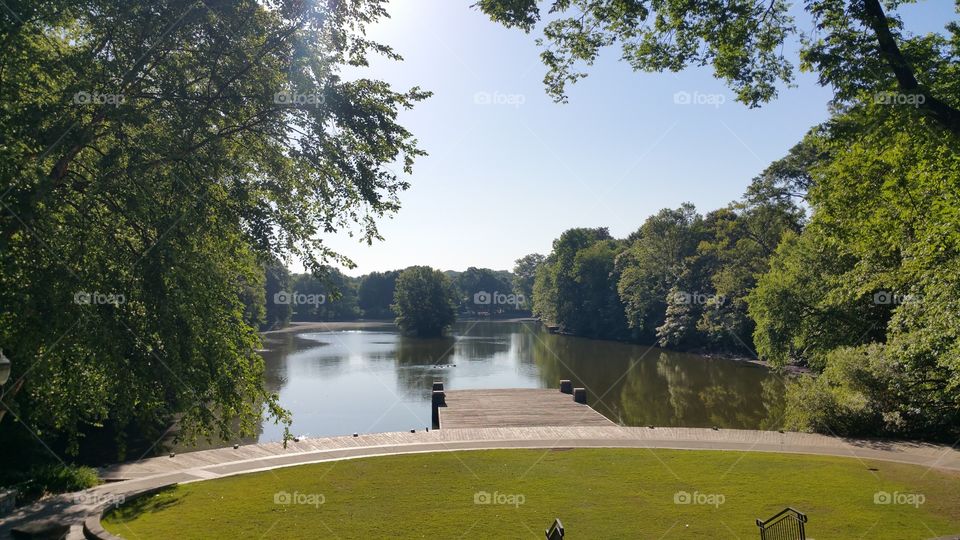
[[131, 478]]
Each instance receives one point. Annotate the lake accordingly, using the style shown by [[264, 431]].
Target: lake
[[374, 379]]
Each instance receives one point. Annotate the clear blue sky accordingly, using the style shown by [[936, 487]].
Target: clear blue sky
[[505, 179]]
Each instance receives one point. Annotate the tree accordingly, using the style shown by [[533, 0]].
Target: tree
[[330, 297], [376, 294], [277, 315], [600, 313], [525, 273], [162, 152], [424, 302], [868, 292], [739, 241], [857, 49], [653, 264], [480, 289], [556, 292]]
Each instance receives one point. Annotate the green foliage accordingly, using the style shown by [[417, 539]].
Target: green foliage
[[34, 482], [681, 280], [562, 282], [330, 297], [479, 290], [375, 294], [148, 160], [424, 301], [277, 315], [594, 292], [873, 280], [867, 390], [525, 274], [856, 47], [653, 264]]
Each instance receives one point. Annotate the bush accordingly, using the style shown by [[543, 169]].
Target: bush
[[858, 394], [37, 481]]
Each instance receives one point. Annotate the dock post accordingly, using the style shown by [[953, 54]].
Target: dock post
[[580, 395], [437, 385], [439, 400], [566, 386]]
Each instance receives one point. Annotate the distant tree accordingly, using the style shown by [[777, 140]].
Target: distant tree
[[557, 293], [331, 296], [525, 274], [277, 315], [600, 313], [480, 288], [707, 307], [376, 294], [654, 264], [424, 301], [545, 291]]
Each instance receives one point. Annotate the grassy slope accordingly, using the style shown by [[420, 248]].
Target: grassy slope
[[622, 493]]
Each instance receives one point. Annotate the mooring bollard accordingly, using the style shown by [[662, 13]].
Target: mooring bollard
[[437, 386], [566, 386], [580, 395], [439, 400]]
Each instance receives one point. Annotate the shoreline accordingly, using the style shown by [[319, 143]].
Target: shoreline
[[305, 326]]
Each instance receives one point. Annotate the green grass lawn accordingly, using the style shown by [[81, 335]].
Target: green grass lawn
[[597, 493]]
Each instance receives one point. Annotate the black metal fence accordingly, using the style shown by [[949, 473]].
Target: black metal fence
[[788, 524]]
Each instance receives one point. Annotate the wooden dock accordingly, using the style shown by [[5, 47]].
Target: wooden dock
[[515, 407]]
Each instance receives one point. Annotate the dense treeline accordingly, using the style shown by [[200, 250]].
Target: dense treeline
[[865, 292], [679, 281], [281, 297]]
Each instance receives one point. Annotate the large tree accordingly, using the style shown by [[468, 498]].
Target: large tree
[[424, 301], [154, 156], [856, 47], [867, 293]]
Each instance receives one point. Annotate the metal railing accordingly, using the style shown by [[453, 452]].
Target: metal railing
[[788, 524]]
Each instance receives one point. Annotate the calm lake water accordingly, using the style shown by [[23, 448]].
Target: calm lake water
[[374, 379]]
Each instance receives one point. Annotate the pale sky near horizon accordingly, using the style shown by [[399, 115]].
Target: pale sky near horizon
[[508, 169]]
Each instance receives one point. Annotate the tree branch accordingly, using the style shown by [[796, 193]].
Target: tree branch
[[943, 113]]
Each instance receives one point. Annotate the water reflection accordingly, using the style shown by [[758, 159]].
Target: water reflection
[[373, 379]]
